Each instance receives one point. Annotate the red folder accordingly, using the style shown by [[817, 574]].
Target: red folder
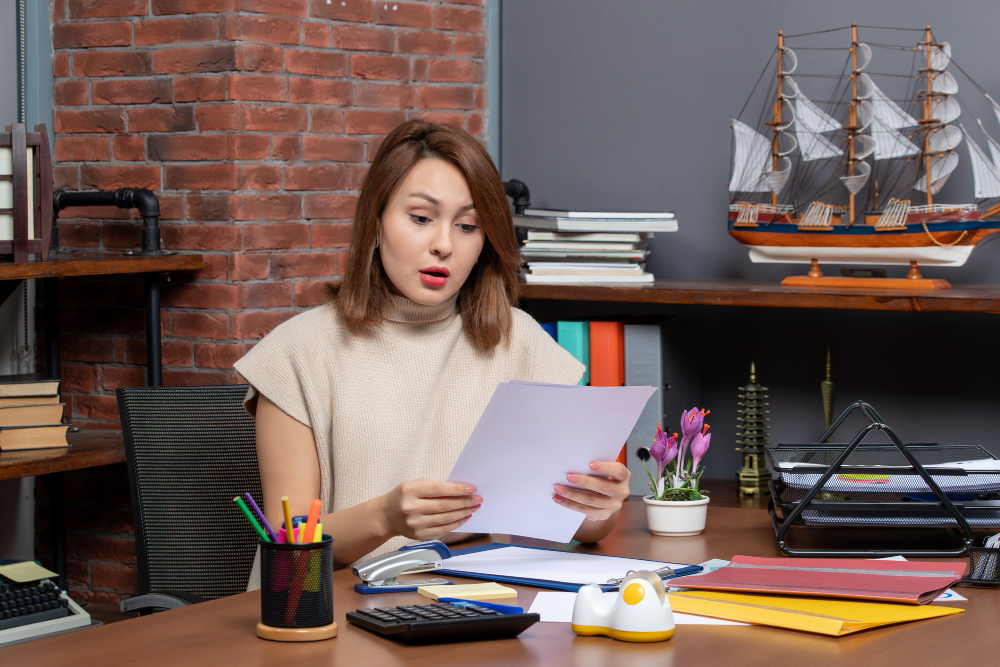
[[607, 354], [856, 578]]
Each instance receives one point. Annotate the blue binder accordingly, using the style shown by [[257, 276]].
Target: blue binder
[[544, 583]]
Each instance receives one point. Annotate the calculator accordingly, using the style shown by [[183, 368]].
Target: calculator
[[443, 622]]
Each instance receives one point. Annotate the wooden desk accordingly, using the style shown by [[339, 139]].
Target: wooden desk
[[222, 631], [87, 449]]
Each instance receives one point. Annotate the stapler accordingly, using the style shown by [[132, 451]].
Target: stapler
[[379, 575]]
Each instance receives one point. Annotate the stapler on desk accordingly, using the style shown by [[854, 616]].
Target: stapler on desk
[[379, 575]]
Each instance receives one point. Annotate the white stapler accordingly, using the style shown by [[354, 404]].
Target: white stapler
[[379, 575], [640, 613]]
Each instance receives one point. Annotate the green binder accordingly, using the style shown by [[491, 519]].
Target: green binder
[[575, 337]]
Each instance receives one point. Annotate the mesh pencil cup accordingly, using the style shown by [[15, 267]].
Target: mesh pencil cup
[[296, 597]]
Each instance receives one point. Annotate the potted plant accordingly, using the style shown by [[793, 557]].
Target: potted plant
[[677, 507]]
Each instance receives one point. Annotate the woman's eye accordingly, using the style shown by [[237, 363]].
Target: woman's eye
[[467, 228], [420, 219]]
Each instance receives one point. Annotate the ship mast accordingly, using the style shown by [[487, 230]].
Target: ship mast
[[852, 122], [777, 113], [927, 121]]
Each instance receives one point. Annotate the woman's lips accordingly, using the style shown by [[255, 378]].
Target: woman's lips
[[435, 275]]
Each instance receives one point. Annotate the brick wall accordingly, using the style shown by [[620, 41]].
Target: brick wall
[[254, 122]]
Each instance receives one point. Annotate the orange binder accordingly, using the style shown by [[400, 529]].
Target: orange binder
[[607, 354]]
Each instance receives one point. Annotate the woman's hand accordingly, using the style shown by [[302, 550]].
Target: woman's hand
[[422, 509], [604, 490]]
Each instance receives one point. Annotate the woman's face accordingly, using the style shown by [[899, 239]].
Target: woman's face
[[429, 234]]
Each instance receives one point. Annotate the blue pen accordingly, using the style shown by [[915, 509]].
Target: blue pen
[[502, 608], [263, 520]]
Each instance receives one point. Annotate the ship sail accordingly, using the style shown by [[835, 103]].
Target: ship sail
[[942, 139], [984, 172], [859, 179], [890, 144], [749, 160], [946, 138], [884, 109], [810, 121], [940, 55], [942, 165], [946, 109], [996, 107]]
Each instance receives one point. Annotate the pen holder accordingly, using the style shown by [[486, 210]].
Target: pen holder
[[984, 567], [296, 599]]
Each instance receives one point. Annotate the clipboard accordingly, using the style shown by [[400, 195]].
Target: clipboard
[[678, 569]]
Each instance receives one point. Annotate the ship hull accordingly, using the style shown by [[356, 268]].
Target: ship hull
[[941, 243]]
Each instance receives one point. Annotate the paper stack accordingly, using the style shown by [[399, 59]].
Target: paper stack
[[580, 247]]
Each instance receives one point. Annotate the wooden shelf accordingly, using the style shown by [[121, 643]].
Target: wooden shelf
[[87, 449], [960, 299], [73, 262]]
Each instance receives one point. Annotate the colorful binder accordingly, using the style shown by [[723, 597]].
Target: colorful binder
[[575, 337], [607, 354]]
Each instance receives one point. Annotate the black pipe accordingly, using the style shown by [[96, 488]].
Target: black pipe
[[138, 198], [518, 191]]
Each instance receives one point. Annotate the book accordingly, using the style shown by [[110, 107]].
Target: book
[[596, 224], [615, 237], [577, 245], [617, 255], [600, 215], [28, 400], [28, 384], [557, 268], [607, 354], [575, 338], [584, 278], [13, 438], [644, 366], [28, 415]]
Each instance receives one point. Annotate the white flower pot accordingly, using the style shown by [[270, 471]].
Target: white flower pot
[[676, 518]]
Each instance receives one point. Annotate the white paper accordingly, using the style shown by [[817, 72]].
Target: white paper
[[530, 436], [570, 567], [557, 607]]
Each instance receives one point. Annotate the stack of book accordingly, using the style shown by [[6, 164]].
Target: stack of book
[[30, 413], [579, 247]]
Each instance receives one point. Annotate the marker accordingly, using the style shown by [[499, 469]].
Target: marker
[[314, 510], [253, 522], [289, 528], [260, 515]]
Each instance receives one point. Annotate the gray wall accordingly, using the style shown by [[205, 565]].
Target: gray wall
[[626, 105], [8, 62]]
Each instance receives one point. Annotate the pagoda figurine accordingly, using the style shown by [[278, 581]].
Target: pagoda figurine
[[752, 434]]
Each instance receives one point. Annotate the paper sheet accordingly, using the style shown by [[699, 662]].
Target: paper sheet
[[557, 607], [528, 438], [27, 571]]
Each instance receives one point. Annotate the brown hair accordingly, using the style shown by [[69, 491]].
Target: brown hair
[[489, 292]]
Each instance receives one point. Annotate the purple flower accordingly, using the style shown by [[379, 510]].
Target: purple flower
[[692, 421], [699, 445], [664, 449]]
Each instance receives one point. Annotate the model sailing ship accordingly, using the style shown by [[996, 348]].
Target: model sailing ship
[[836, 216]]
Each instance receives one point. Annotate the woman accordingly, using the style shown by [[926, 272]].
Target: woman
[[366, 402]]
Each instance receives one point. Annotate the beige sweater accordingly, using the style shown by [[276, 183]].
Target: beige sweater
[[395, 405]]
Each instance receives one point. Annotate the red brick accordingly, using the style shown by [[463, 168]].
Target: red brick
[[121, 235], [404, 13], [78, 573], [456, 18], [172, 31], [249, 267], [327, 121], [257, 87], [60, 11], [315, 33], [266, 207], [218, 117], [129, 148], [305, 90], [446, 97], [100, 597], [477, 3], [272, 30], [474, 124], [109, 177], [161, 119], [356, 176], [316, 177], [440, 69], [200, 325], [274, 119], [200, 177], [217, 355], [258, 324], [192, 6], [94, 406], [371, 121], [330, 234], [206, 88], [98, 547], [132, 91], [266, 295], [453, 118], [87, 34], [418, 69], [111, 63], [76, 376], [283, 7], [249, 146], [119, 522], [95, 213], [259, 58], [82, 149], [480, 97], [207, 207], [79, 234], [60, 64], [286, 147], [71, 93], [470, 44], [276, 235], [330, 207], [389, 68], [172, 352], [215, 267], [195, 59], [260, 177], [174, 147], [209, 296], [393, 95], [172, 378], [310, 292], [123, 376], [303, 264], [315, 62], [201, 237], [358, 11], [426, 42], [361, 39]]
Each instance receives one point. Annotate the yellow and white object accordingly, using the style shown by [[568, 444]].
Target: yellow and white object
[[640, 613]]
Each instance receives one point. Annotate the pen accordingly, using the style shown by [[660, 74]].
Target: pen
[[260, 515], [253, 522], [314, 511], [289, 528]]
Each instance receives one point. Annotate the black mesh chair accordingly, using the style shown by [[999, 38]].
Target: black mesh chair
[[190, 451]]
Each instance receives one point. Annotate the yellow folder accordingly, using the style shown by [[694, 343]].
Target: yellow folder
[[821, 615]]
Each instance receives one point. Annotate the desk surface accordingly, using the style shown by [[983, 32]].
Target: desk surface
[[222, 631], [83, 262], [87, 449]]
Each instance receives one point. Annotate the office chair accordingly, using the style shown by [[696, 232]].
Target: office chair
[[190, 451]]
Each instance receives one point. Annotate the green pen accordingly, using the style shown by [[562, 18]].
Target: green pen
[[252, 519]]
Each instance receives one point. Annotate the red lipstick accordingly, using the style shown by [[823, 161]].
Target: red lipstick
[[435, 275]]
